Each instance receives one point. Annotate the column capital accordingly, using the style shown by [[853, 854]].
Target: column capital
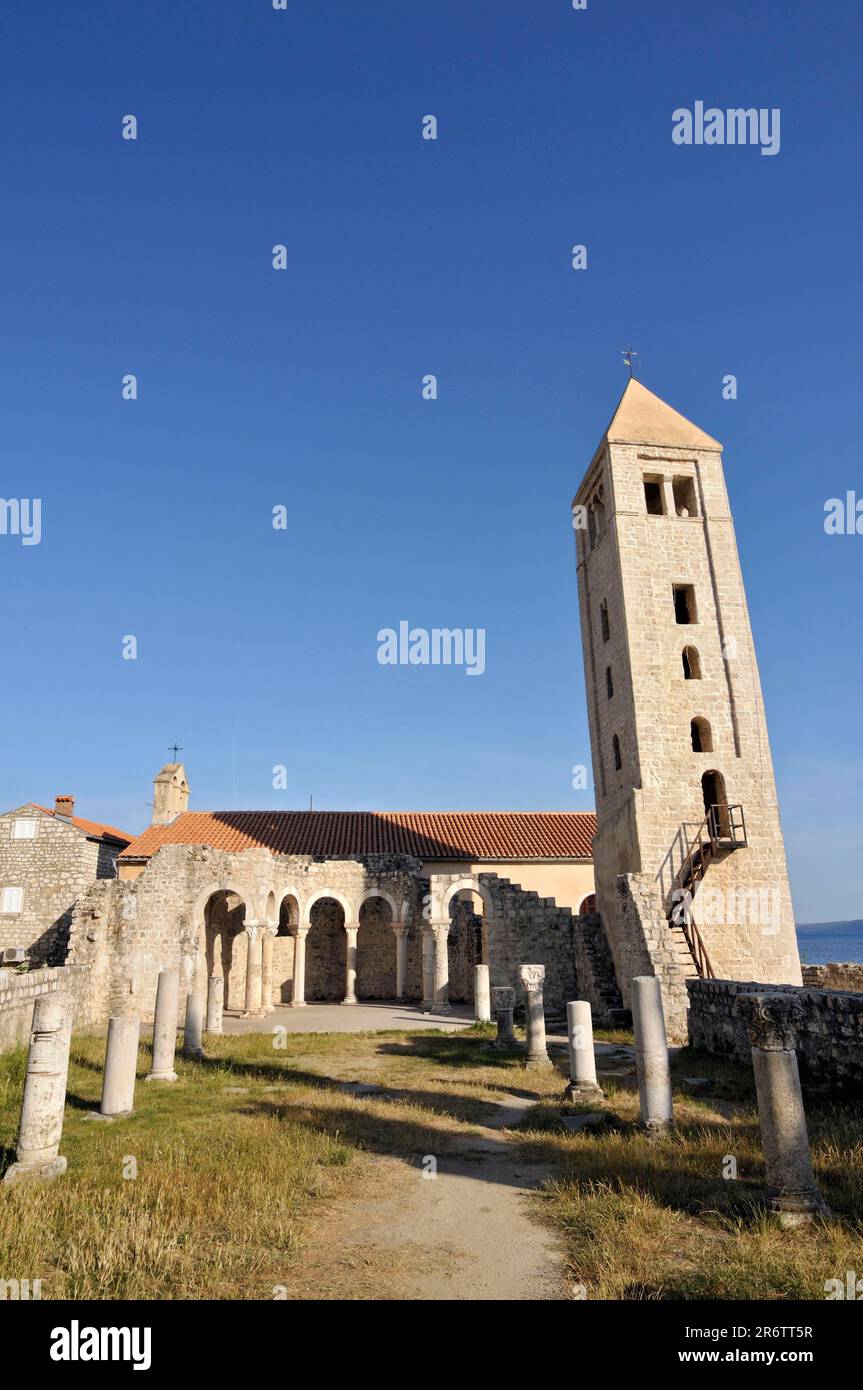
[[503, 996], [352, 927], [299, 931], [532, 977], [400, 928], [771, 1019]]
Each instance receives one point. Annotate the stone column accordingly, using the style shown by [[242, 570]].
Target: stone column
[[481, 994], [193, 1042], [41, 1126], [401, 932], [351, 966], [651, 1053], [252, 1005], [298, 991], [533, 978], [503, 998], [121, 1061], [215, 1003], [582, 1062], [771, 1021], [440, 931], [267, 1004], [428, 967], [165, 1026]]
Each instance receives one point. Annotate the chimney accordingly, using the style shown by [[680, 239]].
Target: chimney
[[64, 806]]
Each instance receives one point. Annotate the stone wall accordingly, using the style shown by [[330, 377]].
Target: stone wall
[[830, 1042], [53, 869], [19, 992], [847, 975]]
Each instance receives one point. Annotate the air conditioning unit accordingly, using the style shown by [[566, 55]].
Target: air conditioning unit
[[14, 955]]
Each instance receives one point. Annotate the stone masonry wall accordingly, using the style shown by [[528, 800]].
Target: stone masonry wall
[[53, 869], [830, 1043], [847, 975], [18, 993]]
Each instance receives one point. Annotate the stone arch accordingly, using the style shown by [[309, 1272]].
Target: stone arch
[[336, 897], [326, 948], [271, 914], [223, 916], [376, 946], [470, 883], [289, 915]]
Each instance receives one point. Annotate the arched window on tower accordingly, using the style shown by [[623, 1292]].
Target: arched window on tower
[[691, 664], [702, 738]]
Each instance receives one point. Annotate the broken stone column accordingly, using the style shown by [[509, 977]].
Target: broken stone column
[[165, 1026], [193, 1042], [41, 1125], [481, 994], [771, 1021], [215, 1003], [583, 1084], [351, 966], [440, 931], [252, 1003], [651, 1053], [503, 997], [428, 967], [401, 932], [298, 993], [532, 980], [121, 1061]]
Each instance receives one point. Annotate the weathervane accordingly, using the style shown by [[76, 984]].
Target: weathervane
[[627, 355]]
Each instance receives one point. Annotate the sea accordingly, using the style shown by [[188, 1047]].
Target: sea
[[820, 943]]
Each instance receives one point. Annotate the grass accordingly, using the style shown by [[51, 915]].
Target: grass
[[247, 1167]]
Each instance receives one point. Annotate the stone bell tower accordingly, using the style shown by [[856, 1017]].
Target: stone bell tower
[[170, 794], [690, 865]]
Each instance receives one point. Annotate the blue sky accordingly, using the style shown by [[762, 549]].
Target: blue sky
[[302, 388]]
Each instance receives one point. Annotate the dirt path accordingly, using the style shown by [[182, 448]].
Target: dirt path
[[465, 1233]]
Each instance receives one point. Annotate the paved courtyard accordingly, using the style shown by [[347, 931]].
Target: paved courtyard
[[349, 1018]]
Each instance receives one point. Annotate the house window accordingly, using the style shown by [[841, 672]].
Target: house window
[[691, 664], [11, 900], [603, 619], [684, 496], [702, 738], [609, 682], [23, 829], [618, 761], [653, 500], [684, 603]]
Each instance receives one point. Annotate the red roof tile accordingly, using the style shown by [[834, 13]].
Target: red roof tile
[[91, 827], [340, 834]]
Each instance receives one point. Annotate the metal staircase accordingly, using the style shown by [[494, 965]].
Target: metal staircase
[[722, 831]]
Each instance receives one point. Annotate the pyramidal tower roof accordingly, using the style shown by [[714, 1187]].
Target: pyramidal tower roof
[[642, 418]]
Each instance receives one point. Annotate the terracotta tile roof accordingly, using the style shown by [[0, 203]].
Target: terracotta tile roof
[[339, 834], [92, 827]]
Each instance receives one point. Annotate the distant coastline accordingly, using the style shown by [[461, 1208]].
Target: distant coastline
[[825, 943]]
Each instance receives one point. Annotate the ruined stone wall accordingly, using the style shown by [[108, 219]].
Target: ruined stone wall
[[18, 994], [830, 1042], [847, 976]]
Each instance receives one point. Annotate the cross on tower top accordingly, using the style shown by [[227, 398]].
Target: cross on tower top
[[627, 354], [175, 748]]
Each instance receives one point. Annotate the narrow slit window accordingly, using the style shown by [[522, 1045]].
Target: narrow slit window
[[702, 738], [691, 664], [609, 682], [684, 604], [618, 761], [603, 620]]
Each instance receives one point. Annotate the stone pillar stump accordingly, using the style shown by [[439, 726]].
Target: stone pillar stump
[[41, 1126], [533, 980]]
